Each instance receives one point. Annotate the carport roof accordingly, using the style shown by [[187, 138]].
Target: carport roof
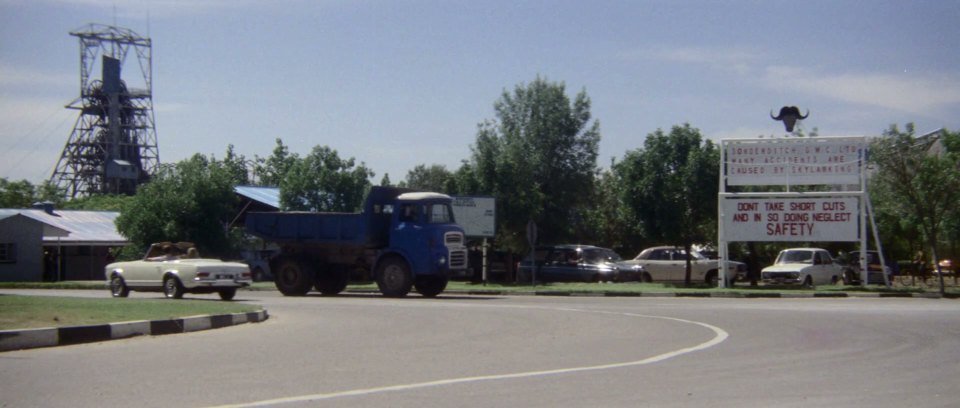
[[269, 196]]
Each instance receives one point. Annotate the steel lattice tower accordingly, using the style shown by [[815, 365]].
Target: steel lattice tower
[[113, 146]]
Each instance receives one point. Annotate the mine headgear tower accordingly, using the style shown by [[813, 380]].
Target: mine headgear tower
[[113, 146]]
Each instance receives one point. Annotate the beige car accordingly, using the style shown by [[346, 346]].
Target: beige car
[[669, 264], [175, 269]]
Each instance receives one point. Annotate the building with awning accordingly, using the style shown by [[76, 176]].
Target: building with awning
[[41, 244]]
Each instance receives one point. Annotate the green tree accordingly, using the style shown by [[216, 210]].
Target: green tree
[[236, 165], [435, 178], [100, 202], [23, 194], [538, 157], [605, 223], [465, 180], [192, 200], [385, 181], [671, 187], [322, 181], [270, 171], [16, 194], [924, 182]]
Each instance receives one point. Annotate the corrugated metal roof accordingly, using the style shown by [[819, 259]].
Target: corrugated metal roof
[[265, 195], [84, 227]]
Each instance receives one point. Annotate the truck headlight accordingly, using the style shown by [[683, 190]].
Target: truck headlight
[[442, 261]]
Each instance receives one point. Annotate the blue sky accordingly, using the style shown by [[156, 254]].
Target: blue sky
[[395, 84]]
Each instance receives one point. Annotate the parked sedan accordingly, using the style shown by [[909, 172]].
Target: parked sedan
[[804, 266], [175, 269], [578, 263], [851, 272], [669, 264]]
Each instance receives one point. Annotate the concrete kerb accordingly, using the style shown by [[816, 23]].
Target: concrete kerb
[[62, 336], [720, 294]]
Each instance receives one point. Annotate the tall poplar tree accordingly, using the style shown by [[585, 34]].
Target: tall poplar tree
[[538, 157]]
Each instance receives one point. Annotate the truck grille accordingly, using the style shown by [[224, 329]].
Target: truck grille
[[453, 239], [456, 249], [458, 259]]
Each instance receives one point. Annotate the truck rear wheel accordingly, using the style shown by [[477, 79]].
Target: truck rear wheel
[[293, 277], [331, 282], [393, 277], [431, 286]]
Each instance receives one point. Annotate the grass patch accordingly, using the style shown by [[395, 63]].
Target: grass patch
[[28, 312], [55, 285]]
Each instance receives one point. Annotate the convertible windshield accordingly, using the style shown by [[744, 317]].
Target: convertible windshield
[[787, 257]]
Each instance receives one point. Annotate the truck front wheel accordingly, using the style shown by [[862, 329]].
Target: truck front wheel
[[431, 286], [393, 277], [293, 278]]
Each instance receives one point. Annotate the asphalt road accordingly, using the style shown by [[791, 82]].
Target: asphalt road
[[473, 351]]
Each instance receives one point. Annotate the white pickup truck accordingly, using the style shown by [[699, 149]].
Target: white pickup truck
[[803, 266]]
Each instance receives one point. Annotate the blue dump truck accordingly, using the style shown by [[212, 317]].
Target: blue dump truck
[[403, 239]]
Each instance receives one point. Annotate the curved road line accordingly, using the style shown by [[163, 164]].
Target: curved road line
[[720, 336]]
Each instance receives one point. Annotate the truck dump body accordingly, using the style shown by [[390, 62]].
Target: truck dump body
[[367, 229], [311, 228]]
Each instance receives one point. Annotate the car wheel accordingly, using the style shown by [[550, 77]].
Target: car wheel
[[835, 280], [430, 286], [118, 288], [711, 279], [172, 288], [257, 274], [293, 278], [808, 282], [227, 293], [847, 277], [393, 277], [646, 278]]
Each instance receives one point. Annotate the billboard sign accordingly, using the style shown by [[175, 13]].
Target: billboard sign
[[477, 215], [800, 161], [791, 219]]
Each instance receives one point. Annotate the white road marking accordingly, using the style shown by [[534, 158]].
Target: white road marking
[[720, 336]]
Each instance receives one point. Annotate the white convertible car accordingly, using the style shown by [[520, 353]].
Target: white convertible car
[[175, 269]]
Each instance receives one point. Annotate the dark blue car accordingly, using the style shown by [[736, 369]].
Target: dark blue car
[[578, 263]]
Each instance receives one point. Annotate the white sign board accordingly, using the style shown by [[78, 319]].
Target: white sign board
[[801, 161], [829, 219], [477, 215]]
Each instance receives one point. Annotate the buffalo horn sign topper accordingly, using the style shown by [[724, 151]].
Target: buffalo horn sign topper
[[789, 115]]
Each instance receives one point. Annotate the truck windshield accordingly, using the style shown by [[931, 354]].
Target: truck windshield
[[439, 214]]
